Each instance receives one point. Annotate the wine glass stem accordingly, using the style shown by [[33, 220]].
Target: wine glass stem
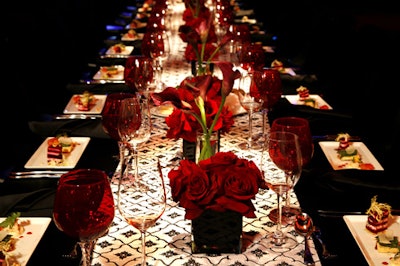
[[250, 138], [143, 248], [136, 158], [279, 225], [87, 252]]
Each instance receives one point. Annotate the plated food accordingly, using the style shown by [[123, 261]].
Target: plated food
[[48, 156], [110, 73], [76, 106], [303, 97], [119, 49], [132, 35], [19, 237], [343, 154], [377, 233]]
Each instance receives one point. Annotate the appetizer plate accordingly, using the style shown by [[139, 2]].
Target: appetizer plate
[[96, 109], [39, 158], [366, 240], [329, 148], [127, 51], [101, 75], [27, 242], [294, 99], [136, 25], [125, 37]]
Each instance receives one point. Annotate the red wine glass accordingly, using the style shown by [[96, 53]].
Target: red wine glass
[[139, 74], [268, 87], [84, 208], [110, 115], [299, 126]]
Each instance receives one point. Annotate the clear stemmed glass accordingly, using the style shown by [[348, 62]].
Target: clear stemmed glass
[[134, 127], [109, 121], [142, 201], [284, 151], [299, 126], [84, 208], [139, 74], [251, 103]]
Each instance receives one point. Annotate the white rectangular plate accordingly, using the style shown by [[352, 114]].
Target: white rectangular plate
[[125, 37], [39, 158], [119, 76], [294, 99], [329, 148], [96, 109], [127, 51], [28, 241], [366, 240]]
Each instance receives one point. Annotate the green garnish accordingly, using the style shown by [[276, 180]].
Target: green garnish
[[10, 220]]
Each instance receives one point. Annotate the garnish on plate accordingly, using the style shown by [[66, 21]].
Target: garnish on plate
[[347, 153], [84, 101], [378, 216], [10, 230]]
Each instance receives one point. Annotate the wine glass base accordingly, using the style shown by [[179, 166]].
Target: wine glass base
[[252, 146], [284, 243], [288, 214]]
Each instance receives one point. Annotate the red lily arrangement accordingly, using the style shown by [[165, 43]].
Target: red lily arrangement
[[220, 183], [199, 105], [199, 32]]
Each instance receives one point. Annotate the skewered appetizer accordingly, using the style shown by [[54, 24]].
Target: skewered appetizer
[[10, 230]]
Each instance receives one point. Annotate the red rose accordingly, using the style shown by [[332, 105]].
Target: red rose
[[220, 183]]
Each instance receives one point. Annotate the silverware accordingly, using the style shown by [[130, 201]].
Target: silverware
[[37, 174], [333, 137], [304, 226], [333, 213], [76, 116]]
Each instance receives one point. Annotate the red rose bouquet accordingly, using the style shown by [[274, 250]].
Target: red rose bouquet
[[199, 105], [220, 183]]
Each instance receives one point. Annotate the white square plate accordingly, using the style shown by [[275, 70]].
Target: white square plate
[[96, 109], [119, 76], [28, 241], [39, 158], [125, 37], [329, 148], [294, 99], [366, 240], [127, 51]]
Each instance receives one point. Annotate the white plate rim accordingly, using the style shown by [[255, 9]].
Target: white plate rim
[[294, 99], [119, 76], [128, 50], [366, 239], [96, 109], [33, 233], [328, 147], [39, 159]]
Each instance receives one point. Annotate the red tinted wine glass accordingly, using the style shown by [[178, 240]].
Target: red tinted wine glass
[[299, 126], [84, 208], [110, 117]]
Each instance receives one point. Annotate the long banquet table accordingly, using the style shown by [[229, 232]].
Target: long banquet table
[[168, 242]]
